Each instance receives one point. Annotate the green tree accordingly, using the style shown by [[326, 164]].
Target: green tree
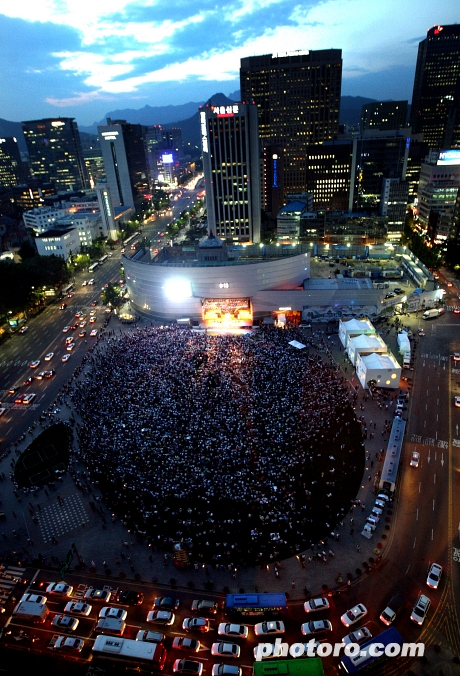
[[111, 296]]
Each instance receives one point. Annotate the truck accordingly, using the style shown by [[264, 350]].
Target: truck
[[434, 312], [30, 611], [394, 607]]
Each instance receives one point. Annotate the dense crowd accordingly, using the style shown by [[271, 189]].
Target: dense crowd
[[242, 447]]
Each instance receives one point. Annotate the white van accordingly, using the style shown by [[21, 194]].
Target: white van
[[111, 625]]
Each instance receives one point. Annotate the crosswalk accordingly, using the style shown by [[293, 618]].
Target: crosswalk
[[9, 577]]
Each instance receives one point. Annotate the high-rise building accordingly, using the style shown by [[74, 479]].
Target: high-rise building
[[231, 163], [12, 170], [435, 108], [163, 147], [298, 99], [383, 115], [328, 174], [55, 153], [393, 205], [125, 162]]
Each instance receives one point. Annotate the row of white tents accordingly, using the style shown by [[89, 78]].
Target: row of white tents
[[369, 354]]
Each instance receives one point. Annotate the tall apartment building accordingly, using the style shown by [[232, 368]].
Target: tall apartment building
[[12, 170], [231, 163], [55, 153], [298, 100], [125, 161], [435, 108]]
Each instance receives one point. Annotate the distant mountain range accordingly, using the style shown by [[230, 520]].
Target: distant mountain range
[[185, 116]]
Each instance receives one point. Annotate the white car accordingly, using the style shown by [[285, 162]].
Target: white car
[[69, 643], [359, 636], [91, 282], [420, 609], [457, 402], [456, 356], [78, 607], [232, 630], [161, 617], [34, 598], [65, 622], [65, 358], [315, 627], [93, 333], [60, 588], [414, 459], [226, 670], [434, 575], [225, 650], [314, 605], [353, 615], [66, 329], [70, 347], [114, 612], [49, 356], [34, 364], [269, 628]]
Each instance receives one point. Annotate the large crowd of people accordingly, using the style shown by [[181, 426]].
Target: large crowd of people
[[242, 448]]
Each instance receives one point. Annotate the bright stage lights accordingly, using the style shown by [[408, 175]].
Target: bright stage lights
[[178, 289]]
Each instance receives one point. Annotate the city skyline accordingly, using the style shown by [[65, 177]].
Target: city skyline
[[83, 60]]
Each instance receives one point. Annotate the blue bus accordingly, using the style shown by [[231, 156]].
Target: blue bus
[[363, 660], [266, 605]]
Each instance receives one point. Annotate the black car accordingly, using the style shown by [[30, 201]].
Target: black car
[[130, 598], [28, 381], [166, 603]]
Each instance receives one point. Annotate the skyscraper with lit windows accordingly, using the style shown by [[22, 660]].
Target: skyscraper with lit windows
[[298, 99], [231, 164], [435, 108], [55, 153]]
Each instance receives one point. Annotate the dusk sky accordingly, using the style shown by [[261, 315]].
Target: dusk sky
[[83, 58]]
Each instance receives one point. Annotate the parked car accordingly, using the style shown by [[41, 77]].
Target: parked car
[[196, 624], [222, 649], [204, 607], [353, 615], [71, 643], [232, 630], [150, 636], [23, 329], [188, 667], [359, 636], [130, 598], [161, 617], [315, 605], [65, 622], [98, 594], [316, 627], [186, 643], [269, 628], [60, 588], [114, 612], [226, 670], [165, 603], [78, 607]]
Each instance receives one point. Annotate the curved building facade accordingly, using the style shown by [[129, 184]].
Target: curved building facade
[[209, 289]]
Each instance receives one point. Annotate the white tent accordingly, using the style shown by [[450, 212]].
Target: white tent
[[383, 369], [295, 343], [354, 327], [365, 344]]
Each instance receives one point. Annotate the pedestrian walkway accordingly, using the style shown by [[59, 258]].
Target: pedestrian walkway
[[73, 514]]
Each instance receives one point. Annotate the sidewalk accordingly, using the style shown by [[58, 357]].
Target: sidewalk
[[79, 517]]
